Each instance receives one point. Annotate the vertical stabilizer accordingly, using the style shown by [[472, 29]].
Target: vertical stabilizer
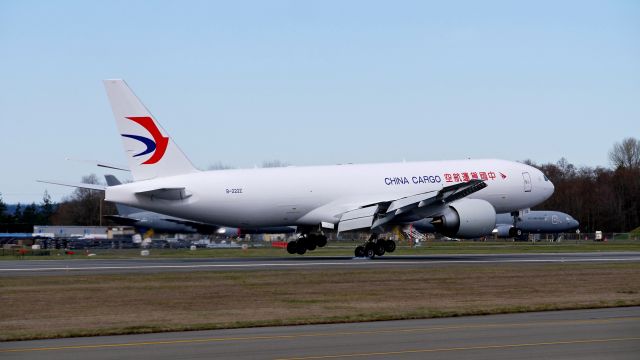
[[149, 149]]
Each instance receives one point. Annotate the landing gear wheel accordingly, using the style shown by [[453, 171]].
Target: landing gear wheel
[[390, 246], [321, 241], [310, 243], [292, 247], [301, 248], [515, 232], [359, 252], [369, 251], [379, 249]]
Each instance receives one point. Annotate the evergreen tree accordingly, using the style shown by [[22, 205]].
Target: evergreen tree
[[30, 214], [3, 208], [17, 214], [46, 210]]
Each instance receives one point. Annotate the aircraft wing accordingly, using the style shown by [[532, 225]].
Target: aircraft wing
[[201, 228], [97, 187], [122, 220], [374, 216]]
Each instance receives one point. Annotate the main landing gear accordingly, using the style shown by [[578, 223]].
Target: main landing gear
[[306, 242], [375, 247]]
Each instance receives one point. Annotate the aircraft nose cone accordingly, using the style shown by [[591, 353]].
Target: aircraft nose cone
[[575, 224], [550, 188]]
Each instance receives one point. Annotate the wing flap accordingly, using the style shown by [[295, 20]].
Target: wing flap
[[358, 218]]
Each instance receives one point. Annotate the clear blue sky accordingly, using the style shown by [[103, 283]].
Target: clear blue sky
[[316, 82]]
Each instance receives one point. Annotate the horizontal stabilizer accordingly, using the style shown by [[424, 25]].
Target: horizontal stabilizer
[[165, 193], [102, 164], [97, 187]]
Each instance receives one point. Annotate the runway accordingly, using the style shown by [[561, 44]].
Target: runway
[[612, 333], [42, 267]]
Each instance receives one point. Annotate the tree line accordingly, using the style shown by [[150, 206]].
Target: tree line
[[29, 214], [600, 198], [606, 199], [82, 207]]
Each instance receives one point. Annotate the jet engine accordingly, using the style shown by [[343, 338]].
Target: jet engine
[[503, 231], [466, 218]]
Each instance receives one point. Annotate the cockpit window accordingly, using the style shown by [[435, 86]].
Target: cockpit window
[[545, 177]]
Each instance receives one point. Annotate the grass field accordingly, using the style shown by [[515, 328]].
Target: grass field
[[346, 249], [83, 305]]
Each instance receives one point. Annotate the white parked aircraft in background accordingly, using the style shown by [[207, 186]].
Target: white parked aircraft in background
[[460, 197]]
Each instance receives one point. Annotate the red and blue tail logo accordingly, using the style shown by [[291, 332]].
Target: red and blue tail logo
[[157, 146]]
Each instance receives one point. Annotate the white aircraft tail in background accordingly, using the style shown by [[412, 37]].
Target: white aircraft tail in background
[[151, 152]]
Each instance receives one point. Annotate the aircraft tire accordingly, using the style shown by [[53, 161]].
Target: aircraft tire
[[301, 249], [518, 232], [359, 252], [321, 241], [369, 251], [310, 243], [292, 247], [390, 246], [379, 249]]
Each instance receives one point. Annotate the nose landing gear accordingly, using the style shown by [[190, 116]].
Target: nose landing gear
[[515, 231]]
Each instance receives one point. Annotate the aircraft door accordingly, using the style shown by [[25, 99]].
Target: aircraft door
[[527, 181]]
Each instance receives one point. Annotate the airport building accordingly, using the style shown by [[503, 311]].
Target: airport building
[[83, 232]]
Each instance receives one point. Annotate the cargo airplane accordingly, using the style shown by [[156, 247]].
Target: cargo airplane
[[460, 198]]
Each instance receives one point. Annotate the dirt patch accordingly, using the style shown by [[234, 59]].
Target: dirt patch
[[76, 305]]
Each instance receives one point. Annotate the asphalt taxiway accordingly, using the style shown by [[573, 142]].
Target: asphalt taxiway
[[612, 333], [56, 267]]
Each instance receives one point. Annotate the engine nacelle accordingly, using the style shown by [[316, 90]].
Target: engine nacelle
[[502, 231], [466, 218]]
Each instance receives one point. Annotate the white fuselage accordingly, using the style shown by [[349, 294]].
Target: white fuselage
[[311, 195]]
